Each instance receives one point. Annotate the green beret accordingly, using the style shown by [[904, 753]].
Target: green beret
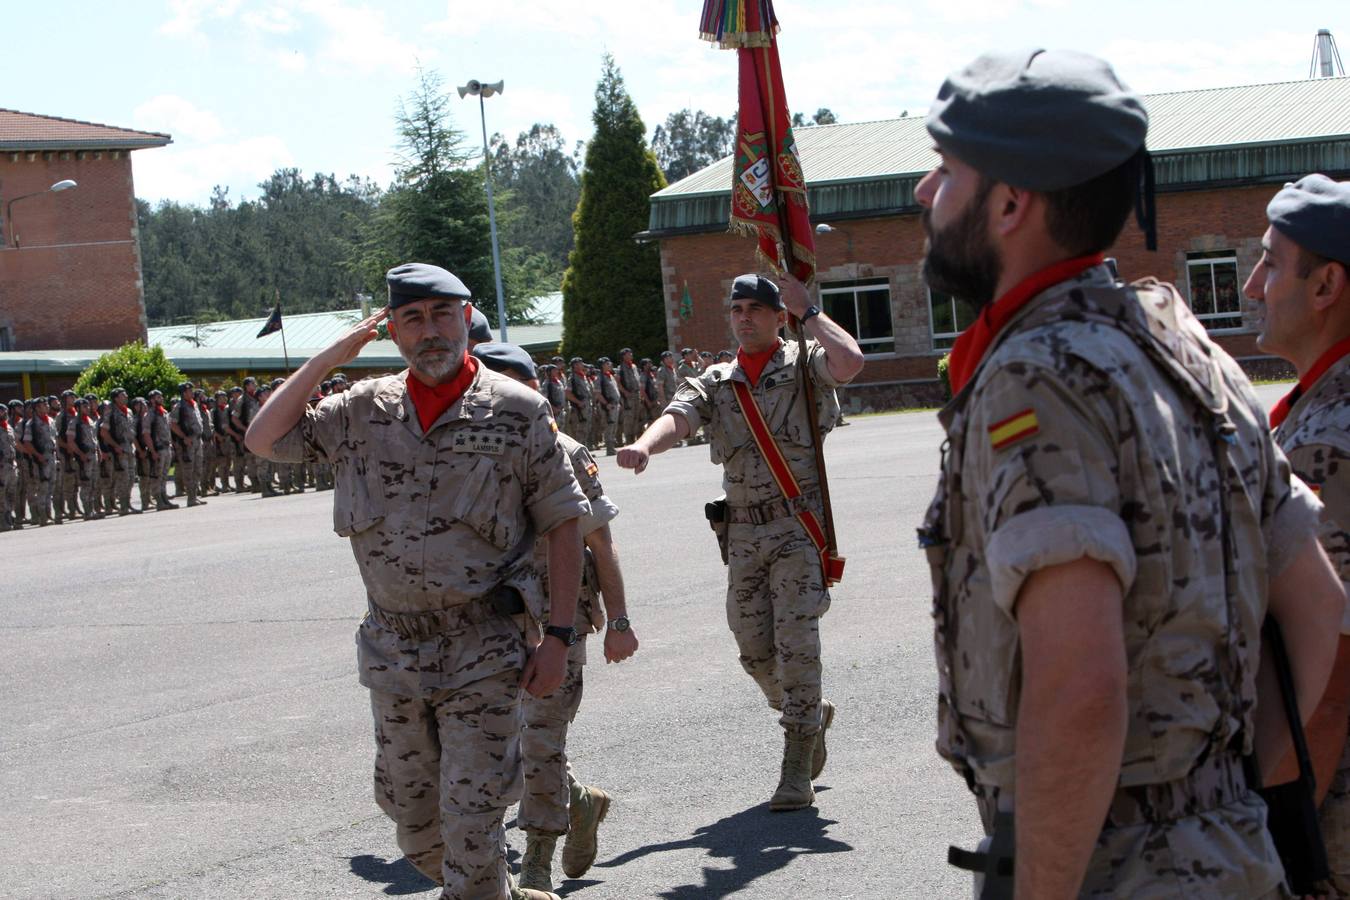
[[1043, 120], [479, 331], [411, 282], [1314, 212]]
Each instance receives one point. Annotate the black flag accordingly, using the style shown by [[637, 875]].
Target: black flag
[[273, 322]]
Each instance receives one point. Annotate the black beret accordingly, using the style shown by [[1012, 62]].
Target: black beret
[[411, 282], [1043, 120], [604, 359], [666, 354], [250, 380], [687, 350], [155, 393], [1314, 212], [506, 358], [236, 390], [140, 400], [478, 327], [117, 390], [705, 353], [222, 394], [67, 393], [758, 288], [625, 350], [338, 376], [557, 359], [575, 360], [184, 386]]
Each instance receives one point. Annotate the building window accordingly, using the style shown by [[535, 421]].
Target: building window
[[6, 339], [863, 309], [948, 317], [1212, 279]]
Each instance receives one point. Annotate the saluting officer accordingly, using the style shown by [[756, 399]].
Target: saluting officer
[[1113, 519], [1302, 284], [446, 475], [776, 585]]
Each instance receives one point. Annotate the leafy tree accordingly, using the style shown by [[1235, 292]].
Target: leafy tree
[[134, 366], [823, 116], [612, 287], [689, 141], [538, 188]]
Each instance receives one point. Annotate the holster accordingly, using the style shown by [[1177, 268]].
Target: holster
[[992, 863], [719, 517]]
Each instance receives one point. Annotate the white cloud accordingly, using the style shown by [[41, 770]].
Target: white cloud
[[275, 19], [359, 38], [289, 60], [178, 117], [187, 16], [187, 173]]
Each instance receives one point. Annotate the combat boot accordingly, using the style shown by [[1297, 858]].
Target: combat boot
[[163, 502], [536, 865], [794, 786], [519, 893], [820, 754], [586, 810]]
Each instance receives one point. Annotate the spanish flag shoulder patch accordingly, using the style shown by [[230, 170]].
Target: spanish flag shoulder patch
[[1013, 429], [592, 470], [553, 424]]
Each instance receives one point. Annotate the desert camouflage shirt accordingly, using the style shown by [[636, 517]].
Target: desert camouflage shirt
[[185, 413], [155, 429], [8, 444], [709, 399], [1090, 429], [669, 382], [245, 408], [41, 434], [1316, 437], [440, 519], [121, 427], [589, 616]]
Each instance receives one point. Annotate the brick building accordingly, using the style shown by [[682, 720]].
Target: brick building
[[1220, 155], [70, 267]]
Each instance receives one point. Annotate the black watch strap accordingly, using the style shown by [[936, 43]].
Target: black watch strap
[[811, 312], [567, 635]]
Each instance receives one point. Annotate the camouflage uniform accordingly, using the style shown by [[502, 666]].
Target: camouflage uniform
[[612, 411], [1316, 437], [9, 476], [669, 381], [544, 737], [66, 485], [122, 432], [436, 523], [776, 592], [244, 409], [155, 432], [684, 371], [82, 431], [39, 431], [556, 392], [1092, 429], [579, 415], [631, 381], [188, 474]]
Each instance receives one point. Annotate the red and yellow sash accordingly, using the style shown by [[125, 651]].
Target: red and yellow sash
[[831, 564]]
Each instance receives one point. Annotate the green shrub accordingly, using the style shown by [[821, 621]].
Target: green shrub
[[136, 367], [943, 365]]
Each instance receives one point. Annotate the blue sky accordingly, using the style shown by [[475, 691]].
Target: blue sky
[[247, 86]]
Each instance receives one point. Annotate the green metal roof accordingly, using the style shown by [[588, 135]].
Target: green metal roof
[[1248, 133]]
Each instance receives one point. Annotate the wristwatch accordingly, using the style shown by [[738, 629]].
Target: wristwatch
[[567, 635], [811, 311], [619, 623]]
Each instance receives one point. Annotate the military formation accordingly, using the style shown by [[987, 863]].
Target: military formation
[[1119, 536], [603, 406], [69, 457]]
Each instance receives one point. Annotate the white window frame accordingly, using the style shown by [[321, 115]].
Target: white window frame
[[884, 344], [1208, 263], [935, 336]]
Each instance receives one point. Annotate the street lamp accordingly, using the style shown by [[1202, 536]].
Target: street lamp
[[64, 184], [826, 228], [482, 92]]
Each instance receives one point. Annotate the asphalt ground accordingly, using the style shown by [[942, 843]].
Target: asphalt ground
[[182, 716]]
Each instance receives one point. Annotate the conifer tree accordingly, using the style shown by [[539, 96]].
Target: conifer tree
[[612, 288]]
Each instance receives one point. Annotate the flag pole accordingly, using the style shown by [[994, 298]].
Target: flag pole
[[285, 354], [803, 361]]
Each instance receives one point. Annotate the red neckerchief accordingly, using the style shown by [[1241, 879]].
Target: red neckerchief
[[5, 423], [1324, 362], [191, 402], [431, 402], [44, 417], [87, 419], [974, 342], [752, 364], [159, 409]]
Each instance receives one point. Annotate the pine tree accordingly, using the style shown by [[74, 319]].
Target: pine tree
[[612, 294]]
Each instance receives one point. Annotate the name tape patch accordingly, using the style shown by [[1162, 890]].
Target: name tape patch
[[469, 442]]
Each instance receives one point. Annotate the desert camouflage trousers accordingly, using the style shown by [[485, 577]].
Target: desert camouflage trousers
[[121, 474], [447, 766], [775, 598], [628, 421], [613, 419], [1335, 818], [578, 425], [543, 748], [40, 478], [9, 482], [82, 476], [159, 472]]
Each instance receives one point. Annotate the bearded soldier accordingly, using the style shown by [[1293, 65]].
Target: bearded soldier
[[1112, 522], [446, 475]]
